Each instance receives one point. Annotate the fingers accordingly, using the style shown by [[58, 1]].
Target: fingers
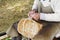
[[33, 15], [30, 14], [36, 17]]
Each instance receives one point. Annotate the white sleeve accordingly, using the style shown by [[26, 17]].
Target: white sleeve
[[53, 16], [50, 17], [35, 4]]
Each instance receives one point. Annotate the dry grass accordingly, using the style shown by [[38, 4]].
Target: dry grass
[[12, 11]]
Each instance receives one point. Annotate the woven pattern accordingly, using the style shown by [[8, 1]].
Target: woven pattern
[[28, 27]]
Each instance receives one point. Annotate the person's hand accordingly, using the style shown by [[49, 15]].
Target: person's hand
[[34, 15], [31, 13]]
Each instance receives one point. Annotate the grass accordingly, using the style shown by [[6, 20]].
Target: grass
[[12, 11]]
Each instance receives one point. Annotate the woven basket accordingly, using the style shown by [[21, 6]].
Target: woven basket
[[28, 27]]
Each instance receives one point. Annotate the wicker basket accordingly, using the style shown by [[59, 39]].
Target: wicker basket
[[28, 27]]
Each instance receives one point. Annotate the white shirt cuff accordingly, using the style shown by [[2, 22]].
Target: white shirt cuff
[[42, 16]]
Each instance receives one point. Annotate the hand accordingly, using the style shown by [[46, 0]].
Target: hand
[[34, 15], [31, 13]]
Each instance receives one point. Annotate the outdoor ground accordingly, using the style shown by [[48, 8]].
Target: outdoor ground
[[12, 11]]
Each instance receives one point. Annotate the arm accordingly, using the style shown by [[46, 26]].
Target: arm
[[53, 16], [47, 17], [50, 17], [35, 5]]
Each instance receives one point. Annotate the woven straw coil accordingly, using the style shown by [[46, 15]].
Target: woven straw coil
[[28, 27]]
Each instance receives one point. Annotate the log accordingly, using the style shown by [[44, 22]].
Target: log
[[3, 33], [2, 37]]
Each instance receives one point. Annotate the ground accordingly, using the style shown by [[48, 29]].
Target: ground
[[12, 11]]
